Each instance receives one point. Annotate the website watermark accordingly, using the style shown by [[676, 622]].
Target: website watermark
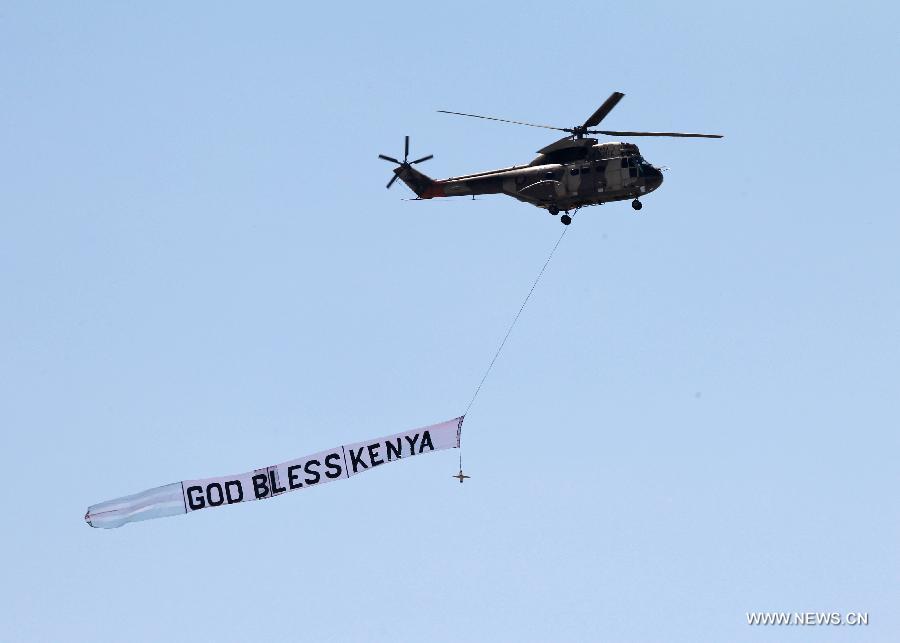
[[808, 618]]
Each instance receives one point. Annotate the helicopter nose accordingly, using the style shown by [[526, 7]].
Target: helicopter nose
[[654, 177]]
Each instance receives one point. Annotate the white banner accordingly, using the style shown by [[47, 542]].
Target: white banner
[[308, 471]]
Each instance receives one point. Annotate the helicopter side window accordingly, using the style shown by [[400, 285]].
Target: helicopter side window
[[624, 162], [549, 176], [632, 172], [574, 171], [585, 169]]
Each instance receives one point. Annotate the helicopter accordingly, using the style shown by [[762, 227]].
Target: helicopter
[[569, 174]]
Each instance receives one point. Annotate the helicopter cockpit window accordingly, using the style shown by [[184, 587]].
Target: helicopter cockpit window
[[549, 176], [624, 162]]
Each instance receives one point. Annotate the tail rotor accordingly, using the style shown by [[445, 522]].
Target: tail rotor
[[404, 164]]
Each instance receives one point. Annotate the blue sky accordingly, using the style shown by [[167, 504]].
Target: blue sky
[[201, 273]]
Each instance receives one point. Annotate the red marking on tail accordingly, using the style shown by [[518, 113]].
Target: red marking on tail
[[433, 190]]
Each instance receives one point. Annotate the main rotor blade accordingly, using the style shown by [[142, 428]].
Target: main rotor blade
[[677, 134], [389, 158], [406, 150], [391, 182], [504, 120], [604, 109], [424, 158]]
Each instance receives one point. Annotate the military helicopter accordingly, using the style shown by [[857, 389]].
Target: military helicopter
[[569, 174]]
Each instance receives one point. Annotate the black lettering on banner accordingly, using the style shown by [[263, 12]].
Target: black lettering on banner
[[214, 486], [231, 497], [293, 478], [426, 441], [315, 473], [373, 454], [412, 443], [356, 459], [275, 488], [333, 466], [396, 450], [260, 486], [198, 502]]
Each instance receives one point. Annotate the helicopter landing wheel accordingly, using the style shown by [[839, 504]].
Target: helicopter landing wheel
[[637, 205], [553, 210], [566, 219]]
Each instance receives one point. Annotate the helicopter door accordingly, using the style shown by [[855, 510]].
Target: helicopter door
[[625, 172], [601, 176], [572, 178]]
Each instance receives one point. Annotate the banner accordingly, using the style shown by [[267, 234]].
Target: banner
[[316, 469]]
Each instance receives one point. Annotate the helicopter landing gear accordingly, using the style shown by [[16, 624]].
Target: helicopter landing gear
[[553, 210], [566, 219], [637, 205]]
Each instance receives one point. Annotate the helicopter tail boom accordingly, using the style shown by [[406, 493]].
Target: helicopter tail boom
[[423, 185]]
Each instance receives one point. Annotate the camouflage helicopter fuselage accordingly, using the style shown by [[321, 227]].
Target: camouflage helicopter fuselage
[[567, 175], [571, 173]]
